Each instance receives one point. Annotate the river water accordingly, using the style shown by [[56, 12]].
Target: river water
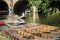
[[2, 17]]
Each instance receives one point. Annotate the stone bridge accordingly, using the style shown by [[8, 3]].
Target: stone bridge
[[16, 6]]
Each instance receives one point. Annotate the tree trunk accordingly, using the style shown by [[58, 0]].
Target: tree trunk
[[35, 15]]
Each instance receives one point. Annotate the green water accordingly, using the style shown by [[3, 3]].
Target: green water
[[2, 17]]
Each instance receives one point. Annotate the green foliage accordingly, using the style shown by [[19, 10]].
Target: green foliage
[[47, 10], [4, 37], [35, 2], [43, 5]]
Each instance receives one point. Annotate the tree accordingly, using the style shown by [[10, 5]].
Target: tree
[[35, 4], [44, 7], [38, 6]]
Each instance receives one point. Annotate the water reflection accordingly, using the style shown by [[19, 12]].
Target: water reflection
[[2, 17]]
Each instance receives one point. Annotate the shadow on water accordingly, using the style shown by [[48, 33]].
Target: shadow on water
[[51, 19]]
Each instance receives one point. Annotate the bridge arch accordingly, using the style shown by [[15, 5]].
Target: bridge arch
[[20, 6], [4, 9]]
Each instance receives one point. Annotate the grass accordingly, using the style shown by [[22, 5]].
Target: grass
[[4, 37]]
